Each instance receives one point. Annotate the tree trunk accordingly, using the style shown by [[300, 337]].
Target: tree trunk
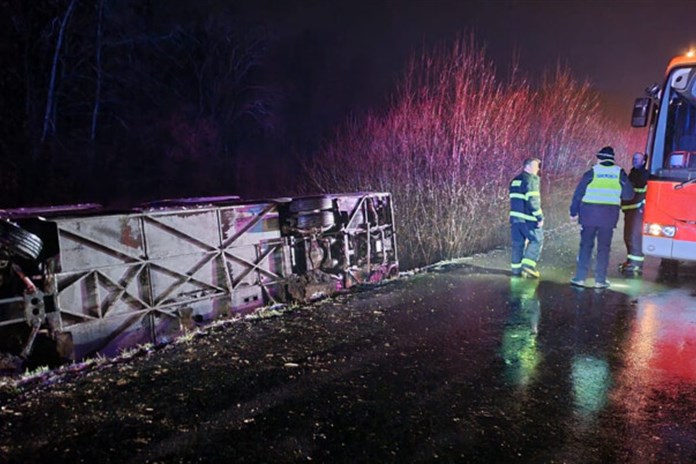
[[49, 115], [97, 59]]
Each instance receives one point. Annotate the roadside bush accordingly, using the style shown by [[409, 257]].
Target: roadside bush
[[451, 140]]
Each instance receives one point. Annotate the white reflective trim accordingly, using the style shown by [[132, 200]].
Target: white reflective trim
[[526, 217], [602, 200], [604, 191], [607, 172]]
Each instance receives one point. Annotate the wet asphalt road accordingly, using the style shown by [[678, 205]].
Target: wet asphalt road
[[461, 364], [555, 373]]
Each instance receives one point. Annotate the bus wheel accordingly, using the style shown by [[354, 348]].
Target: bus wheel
[[311, 204], [18, 241]]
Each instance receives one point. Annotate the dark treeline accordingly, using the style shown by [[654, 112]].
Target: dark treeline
[[120, 101], [126, 101]]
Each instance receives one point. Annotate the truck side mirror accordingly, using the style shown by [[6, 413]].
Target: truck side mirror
[[641, 110]]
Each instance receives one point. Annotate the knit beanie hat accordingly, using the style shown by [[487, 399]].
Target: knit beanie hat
[[606, 154]]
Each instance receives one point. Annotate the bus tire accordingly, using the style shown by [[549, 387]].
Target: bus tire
[[18, 241], [318, 203], [321, 219]]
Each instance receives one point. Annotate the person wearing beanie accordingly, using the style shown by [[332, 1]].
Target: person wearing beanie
[[633, 218], [597, 203]]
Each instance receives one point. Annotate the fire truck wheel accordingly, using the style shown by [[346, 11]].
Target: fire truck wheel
[[18, 241], [318, 203], [316, 220]]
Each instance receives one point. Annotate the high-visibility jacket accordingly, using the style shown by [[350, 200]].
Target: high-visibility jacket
[[605, 187], [639, 180], [599, 214], [525, 199]]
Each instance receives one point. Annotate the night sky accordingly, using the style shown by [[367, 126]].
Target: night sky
[[351, 52], [317, 65]]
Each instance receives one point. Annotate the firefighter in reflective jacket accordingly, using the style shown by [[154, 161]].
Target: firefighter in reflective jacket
[[526, 220], [597, 201], [633, 217]]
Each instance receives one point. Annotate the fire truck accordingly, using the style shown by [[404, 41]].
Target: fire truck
[[80, 280], [669, 112]]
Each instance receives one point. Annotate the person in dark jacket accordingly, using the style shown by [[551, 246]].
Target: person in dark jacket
[[597, 201], [526, 220], [633, 217]]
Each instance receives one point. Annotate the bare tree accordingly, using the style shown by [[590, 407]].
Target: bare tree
[[134, 90], [49, 115], [98, 71], [452, 139]]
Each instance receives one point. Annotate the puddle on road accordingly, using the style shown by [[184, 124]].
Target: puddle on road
[[542, 370]]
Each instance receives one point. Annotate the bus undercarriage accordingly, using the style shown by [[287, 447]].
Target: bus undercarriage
[[79, 281]]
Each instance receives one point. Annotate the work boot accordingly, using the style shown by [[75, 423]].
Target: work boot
[[623, 265], [530, 273], [631, 269]]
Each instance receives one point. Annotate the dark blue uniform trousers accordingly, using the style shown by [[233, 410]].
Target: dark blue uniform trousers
[[633, 235], [527, 241], [588, 234]]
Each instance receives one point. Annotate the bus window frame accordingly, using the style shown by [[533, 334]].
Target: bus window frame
[[660, 130]]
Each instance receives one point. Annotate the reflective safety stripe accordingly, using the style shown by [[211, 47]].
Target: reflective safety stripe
[[636, 258], [529, 262], [641, 190], [526, 217], [602, 197], [605, 188], [530, 271], [524, 196], [515, 265], [633, 206]]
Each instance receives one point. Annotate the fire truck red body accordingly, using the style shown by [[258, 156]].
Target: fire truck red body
[[669, 111]]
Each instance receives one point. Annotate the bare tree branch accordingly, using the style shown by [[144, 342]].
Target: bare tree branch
[[98, 66], [49, 115]]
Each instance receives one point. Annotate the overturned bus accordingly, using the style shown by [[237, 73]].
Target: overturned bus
[[76, 281]]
